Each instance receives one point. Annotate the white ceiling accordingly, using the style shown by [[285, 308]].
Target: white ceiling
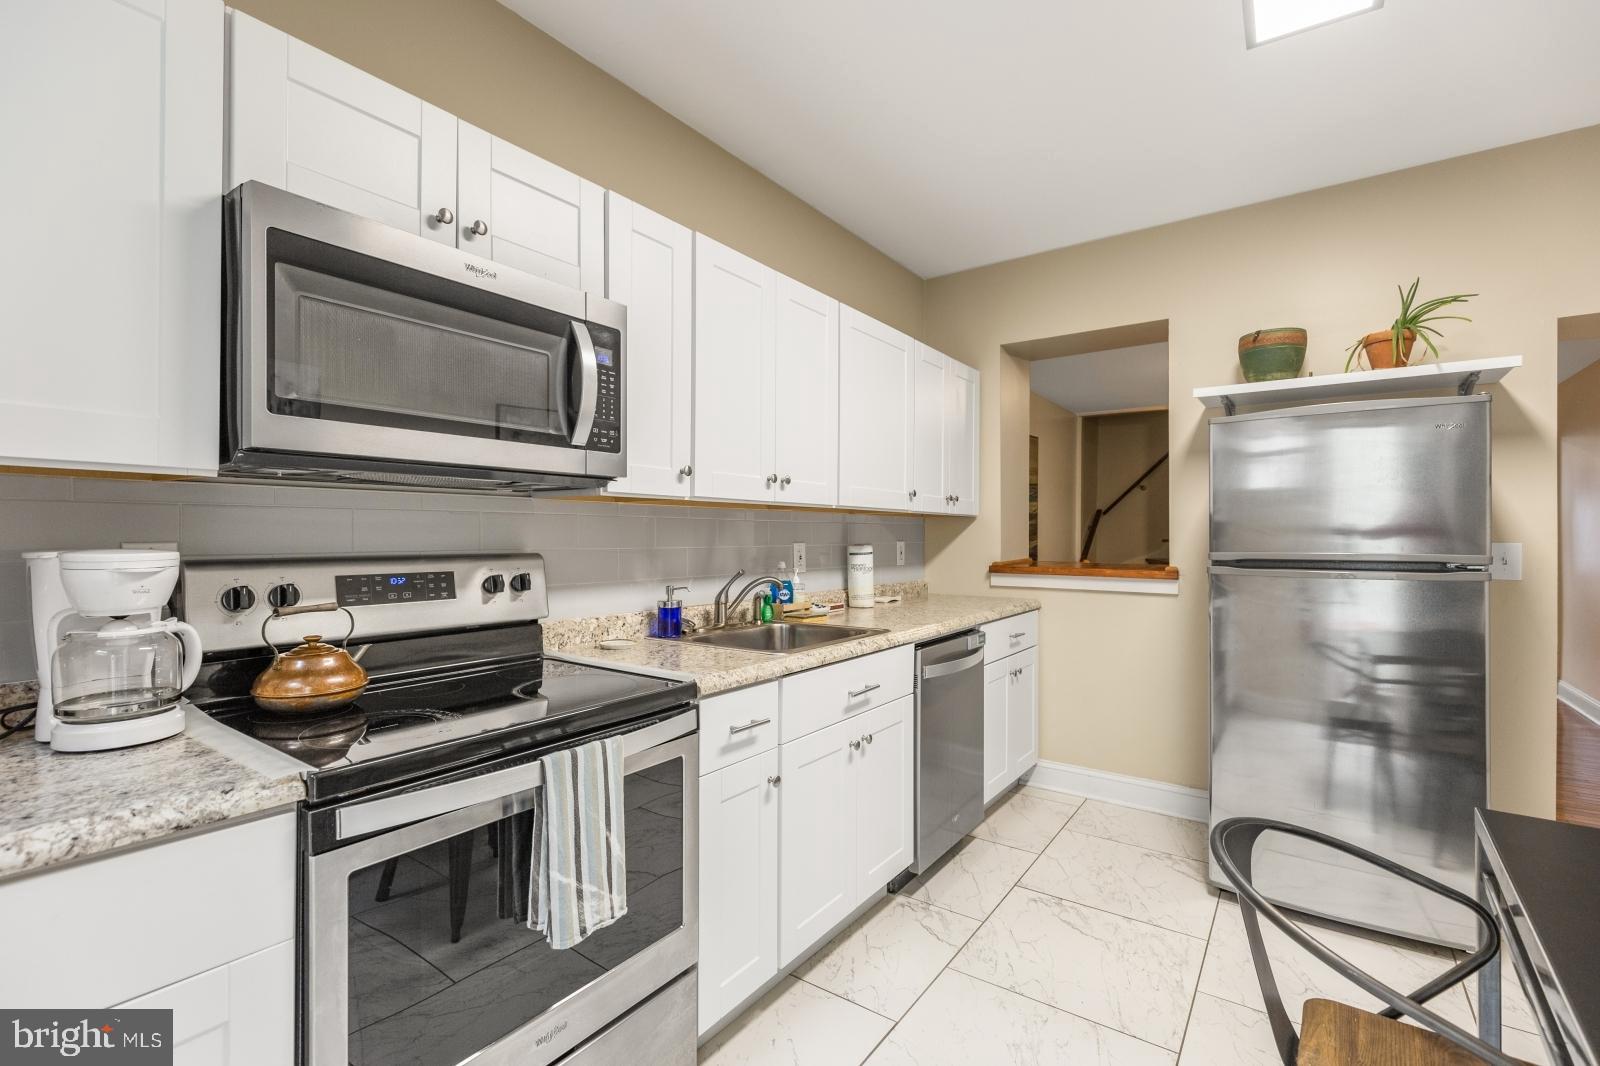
[[1122, 379], [951, 134]]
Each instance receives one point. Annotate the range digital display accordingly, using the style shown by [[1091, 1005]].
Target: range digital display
[[364, 590]]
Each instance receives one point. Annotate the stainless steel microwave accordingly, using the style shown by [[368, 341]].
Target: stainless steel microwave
[[355, 352]]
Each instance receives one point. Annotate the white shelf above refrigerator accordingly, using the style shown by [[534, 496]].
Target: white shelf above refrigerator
[[1462, 376]]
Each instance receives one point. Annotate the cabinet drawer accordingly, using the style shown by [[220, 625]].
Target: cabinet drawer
[[736, 725], [830, 694], [1010, 635]]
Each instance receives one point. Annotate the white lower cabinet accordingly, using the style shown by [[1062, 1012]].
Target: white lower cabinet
[[886, 840], [738, 883], [816, 837], [1010, 720], [238, 1014]]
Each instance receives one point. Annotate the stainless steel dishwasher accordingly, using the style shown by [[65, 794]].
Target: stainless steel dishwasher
[[949, 744]]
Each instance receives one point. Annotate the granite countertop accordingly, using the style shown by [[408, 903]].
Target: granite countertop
[[58, 807], [911, 621]]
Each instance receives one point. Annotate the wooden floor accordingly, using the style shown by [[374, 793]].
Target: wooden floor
[[1577, 767]]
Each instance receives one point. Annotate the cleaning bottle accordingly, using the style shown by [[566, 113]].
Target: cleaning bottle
[[783, 591]]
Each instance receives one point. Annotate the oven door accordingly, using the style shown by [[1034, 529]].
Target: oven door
[[416, 944], [348, 338]]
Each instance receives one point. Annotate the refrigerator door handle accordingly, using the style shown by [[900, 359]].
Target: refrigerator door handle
[[1474, 574]]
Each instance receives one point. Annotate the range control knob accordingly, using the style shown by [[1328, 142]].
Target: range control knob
[[237, 599], [494, 584], [521, 582], [284, 595]]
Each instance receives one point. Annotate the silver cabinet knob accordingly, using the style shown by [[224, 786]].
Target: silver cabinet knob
[[686, 471], [868, 737], [775, 780], [856, 744], [444, 216], [785, 482], [772, 479], [479, 228], [913, 494]]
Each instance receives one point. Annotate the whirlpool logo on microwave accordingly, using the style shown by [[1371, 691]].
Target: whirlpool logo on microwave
[[480, 271], [123, 1037]]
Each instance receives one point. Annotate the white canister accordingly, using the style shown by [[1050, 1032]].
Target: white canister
[[858, 575]]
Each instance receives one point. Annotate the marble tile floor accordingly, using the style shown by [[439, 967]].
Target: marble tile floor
[[1062, 931]]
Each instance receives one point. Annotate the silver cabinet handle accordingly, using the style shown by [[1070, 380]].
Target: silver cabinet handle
[[868, 737], [444, 216], [913, 494], [1019, 636], [856, 744], [686, 471], [772, 479], [863, 691], [479, 228], [785, 482], [754, 723], [956, 499], [775, 780]]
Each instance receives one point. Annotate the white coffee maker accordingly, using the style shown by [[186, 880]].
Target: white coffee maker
[[112, 670]]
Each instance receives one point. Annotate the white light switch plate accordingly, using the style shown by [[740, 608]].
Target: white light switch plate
[[1505, 562], [799, 556], [899, 553]]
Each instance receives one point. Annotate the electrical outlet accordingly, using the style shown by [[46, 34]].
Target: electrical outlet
[[899, 553], [1505, 562], [799, 556]]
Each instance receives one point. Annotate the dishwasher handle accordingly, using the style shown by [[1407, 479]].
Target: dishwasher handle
[[954, 666]]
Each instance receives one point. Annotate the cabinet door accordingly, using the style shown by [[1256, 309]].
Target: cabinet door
[[816, 837], [805, 415], [108, 287], [875, 413], [650, 269], [733, 425], [927, 432], [996, 684], [886, 841], [528, 213], [1022, 713], [961, 438], [241, 1014], [301, 120], [738, 883]]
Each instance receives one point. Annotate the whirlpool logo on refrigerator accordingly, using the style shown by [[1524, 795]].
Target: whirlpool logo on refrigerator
[[125, 1037]]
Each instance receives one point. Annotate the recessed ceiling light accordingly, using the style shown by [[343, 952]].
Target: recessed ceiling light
[[1268, 20]]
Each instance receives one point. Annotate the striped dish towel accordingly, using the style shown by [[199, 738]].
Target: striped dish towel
[[580, 874]]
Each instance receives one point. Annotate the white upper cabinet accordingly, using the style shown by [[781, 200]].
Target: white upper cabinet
[[109, 285], [927, 433], [529, 214], [301, 120], [650, 268], [960, 438], [733, 427], [876, 374], [805, 411]]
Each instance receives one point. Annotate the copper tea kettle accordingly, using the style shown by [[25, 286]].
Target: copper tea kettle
[[312, 677]]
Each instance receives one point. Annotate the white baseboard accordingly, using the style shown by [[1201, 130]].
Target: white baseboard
[[1141, 792], [1578, 700]]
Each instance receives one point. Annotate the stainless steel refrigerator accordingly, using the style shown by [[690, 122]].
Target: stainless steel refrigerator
[[1349, 623]]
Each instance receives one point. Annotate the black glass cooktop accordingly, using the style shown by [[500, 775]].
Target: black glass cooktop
[[404, 729]]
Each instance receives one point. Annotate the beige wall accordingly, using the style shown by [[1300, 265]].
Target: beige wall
[[1124, 447], [484, 63], [1578, 403], [1518, 225], [1057, 430]]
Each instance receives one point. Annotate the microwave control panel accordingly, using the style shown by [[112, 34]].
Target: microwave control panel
[[606, 436]]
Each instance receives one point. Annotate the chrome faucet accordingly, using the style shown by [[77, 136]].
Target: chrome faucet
[[723, 605]]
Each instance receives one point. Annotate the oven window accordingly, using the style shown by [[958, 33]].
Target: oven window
[[442, 962]]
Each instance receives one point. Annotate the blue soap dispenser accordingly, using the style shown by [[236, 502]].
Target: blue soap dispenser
[[669, 613]]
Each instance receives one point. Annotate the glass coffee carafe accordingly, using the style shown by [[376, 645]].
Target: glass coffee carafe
[[123, 670]]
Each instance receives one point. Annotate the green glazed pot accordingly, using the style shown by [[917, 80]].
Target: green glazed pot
[[1272, 354]]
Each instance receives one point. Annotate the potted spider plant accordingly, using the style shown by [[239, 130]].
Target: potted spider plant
[[1392, 347]]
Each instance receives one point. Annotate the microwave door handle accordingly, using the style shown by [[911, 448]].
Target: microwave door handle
[[588, 385]]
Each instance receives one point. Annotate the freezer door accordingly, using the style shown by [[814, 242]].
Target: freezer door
[[1387, 479], [1354, 704]]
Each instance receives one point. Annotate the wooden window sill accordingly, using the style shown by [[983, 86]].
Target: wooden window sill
[[1095, 577]]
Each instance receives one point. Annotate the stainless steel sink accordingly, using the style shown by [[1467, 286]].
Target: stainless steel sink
[[777, 637]]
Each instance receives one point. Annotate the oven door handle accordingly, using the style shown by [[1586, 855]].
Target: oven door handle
[[374, 815], [588, 384]]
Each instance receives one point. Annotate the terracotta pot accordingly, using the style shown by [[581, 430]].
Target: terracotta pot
[[1379, 348]]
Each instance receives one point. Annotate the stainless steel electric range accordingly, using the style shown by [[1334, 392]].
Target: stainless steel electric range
[[414, 946]]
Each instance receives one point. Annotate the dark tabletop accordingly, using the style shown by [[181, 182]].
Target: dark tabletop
[[1553, 868]]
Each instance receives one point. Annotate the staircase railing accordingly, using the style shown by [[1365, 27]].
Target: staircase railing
[[1101, 512]]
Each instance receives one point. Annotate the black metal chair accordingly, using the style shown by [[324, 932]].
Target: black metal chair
[[1335, 1034]]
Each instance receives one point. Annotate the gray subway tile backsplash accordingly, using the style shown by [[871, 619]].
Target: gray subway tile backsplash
[[601, 557]]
